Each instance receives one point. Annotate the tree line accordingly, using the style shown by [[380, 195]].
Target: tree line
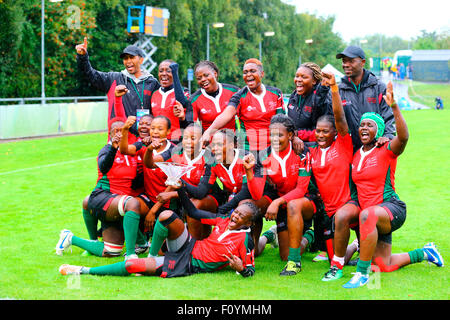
[[105, 23]]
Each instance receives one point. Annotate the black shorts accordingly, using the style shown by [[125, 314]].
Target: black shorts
[[149, 203], [282, 211], [397, 212], [178, 264], [98, 203], [328, 222]]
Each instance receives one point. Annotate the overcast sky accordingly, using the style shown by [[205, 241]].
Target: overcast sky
[[404, 18]]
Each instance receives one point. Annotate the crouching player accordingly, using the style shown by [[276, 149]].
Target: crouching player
[[230, 244], [108, 202]]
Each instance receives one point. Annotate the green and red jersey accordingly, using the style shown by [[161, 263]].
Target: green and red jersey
[[154, 178], [116, 171], [162, 104], [231, 177], [199, 163], [207, 108], [331, 169], [373, 172], [207, 254], [255, 112], [281, 170]]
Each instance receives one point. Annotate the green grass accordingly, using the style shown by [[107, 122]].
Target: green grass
[[425, 93], [43, 182]]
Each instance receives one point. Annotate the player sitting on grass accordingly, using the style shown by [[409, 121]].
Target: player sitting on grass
[[373, 172], [230, 244], [109, 202]]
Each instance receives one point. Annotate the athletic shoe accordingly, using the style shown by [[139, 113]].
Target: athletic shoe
[[322, 256], [357, 281], [131, 256], [67, 269], [143, 248], [291, 268], [333, 274], [433, 254], [65, 240], [274, 243]]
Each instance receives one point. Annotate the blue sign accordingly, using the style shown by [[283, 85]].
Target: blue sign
[[190, 74]]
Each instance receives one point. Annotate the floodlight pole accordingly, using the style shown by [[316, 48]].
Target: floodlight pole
[[42, 52]]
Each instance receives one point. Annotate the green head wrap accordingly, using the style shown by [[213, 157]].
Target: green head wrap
[[379, 121]]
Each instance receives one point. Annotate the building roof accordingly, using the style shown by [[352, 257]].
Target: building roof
[[430, 55]]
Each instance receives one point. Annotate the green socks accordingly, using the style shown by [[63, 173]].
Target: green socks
[[363, 266], [416, 255], [309, 235], [130, 230], [269, 235], [160, 233], [91, 224], [92, 246], [294, 255], [115, 269]]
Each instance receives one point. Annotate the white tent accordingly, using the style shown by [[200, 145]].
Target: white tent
[[337, 74]]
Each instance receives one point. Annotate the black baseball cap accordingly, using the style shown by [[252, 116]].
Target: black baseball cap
[[132, 50], [352, 52]]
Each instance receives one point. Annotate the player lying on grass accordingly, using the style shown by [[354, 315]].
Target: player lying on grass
[[109, 202], [230, 244], [373, 172]]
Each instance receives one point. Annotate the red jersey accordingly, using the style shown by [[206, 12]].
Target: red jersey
[[331, 170], [155, 178], [206, 108], [231, 177], [282, 170], [116, 171], [194, 176], [373, 172], [207, 254], [255, 112], [162, 104]]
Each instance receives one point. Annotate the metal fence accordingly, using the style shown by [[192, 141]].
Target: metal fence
[[20, 101]]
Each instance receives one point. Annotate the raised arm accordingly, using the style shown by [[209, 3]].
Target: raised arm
[[338, 110], [399, 142]]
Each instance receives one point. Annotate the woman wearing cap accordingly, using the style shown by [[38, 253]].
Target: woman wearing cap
[[255, 104], [373, 172]]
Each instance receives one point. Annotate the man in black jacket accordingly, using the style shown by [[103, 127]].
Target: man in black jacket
[[139, 83], [362, 92]]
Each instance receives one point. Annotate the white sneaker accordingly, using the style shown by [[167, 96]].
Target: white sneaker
[[65, 240], [67, 269], [274, 243], [131, 256]]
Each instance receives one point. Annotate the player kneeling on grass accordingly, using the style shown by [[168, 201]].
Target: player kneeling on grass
[[109, 202], [230, 244], [373, 172]]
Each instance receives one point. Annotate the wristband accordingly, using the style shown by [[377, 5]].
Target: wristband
[[393, 104], [334, 88]]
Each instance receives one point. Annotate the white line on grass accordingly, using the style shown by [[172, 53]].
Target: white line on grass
[[45, 166]]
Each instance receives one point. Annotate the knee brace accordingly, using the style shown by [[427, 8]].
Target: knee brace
[[122, 203]]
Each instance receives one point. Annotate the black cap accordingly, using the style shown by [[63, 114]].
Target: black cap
[[352, 52], [132, 50]]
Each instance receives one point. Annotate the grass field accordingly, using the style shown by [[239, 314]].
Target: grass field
[[43, 182], [425, 93]]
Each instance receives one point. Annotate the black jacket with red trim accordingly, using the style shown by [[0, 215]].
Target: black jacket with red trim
[[107, 81]]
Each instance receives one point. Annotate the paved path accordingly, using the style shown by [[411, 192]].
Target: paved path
[[401, 91]]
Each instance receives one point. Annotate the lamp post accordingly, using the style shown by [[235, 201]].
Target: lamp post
[[214, 25], [266, 34], [43, 49]]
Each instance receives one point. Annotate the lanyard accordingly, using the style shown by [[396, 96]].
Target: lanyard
[[139, 96], [356, 88]]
